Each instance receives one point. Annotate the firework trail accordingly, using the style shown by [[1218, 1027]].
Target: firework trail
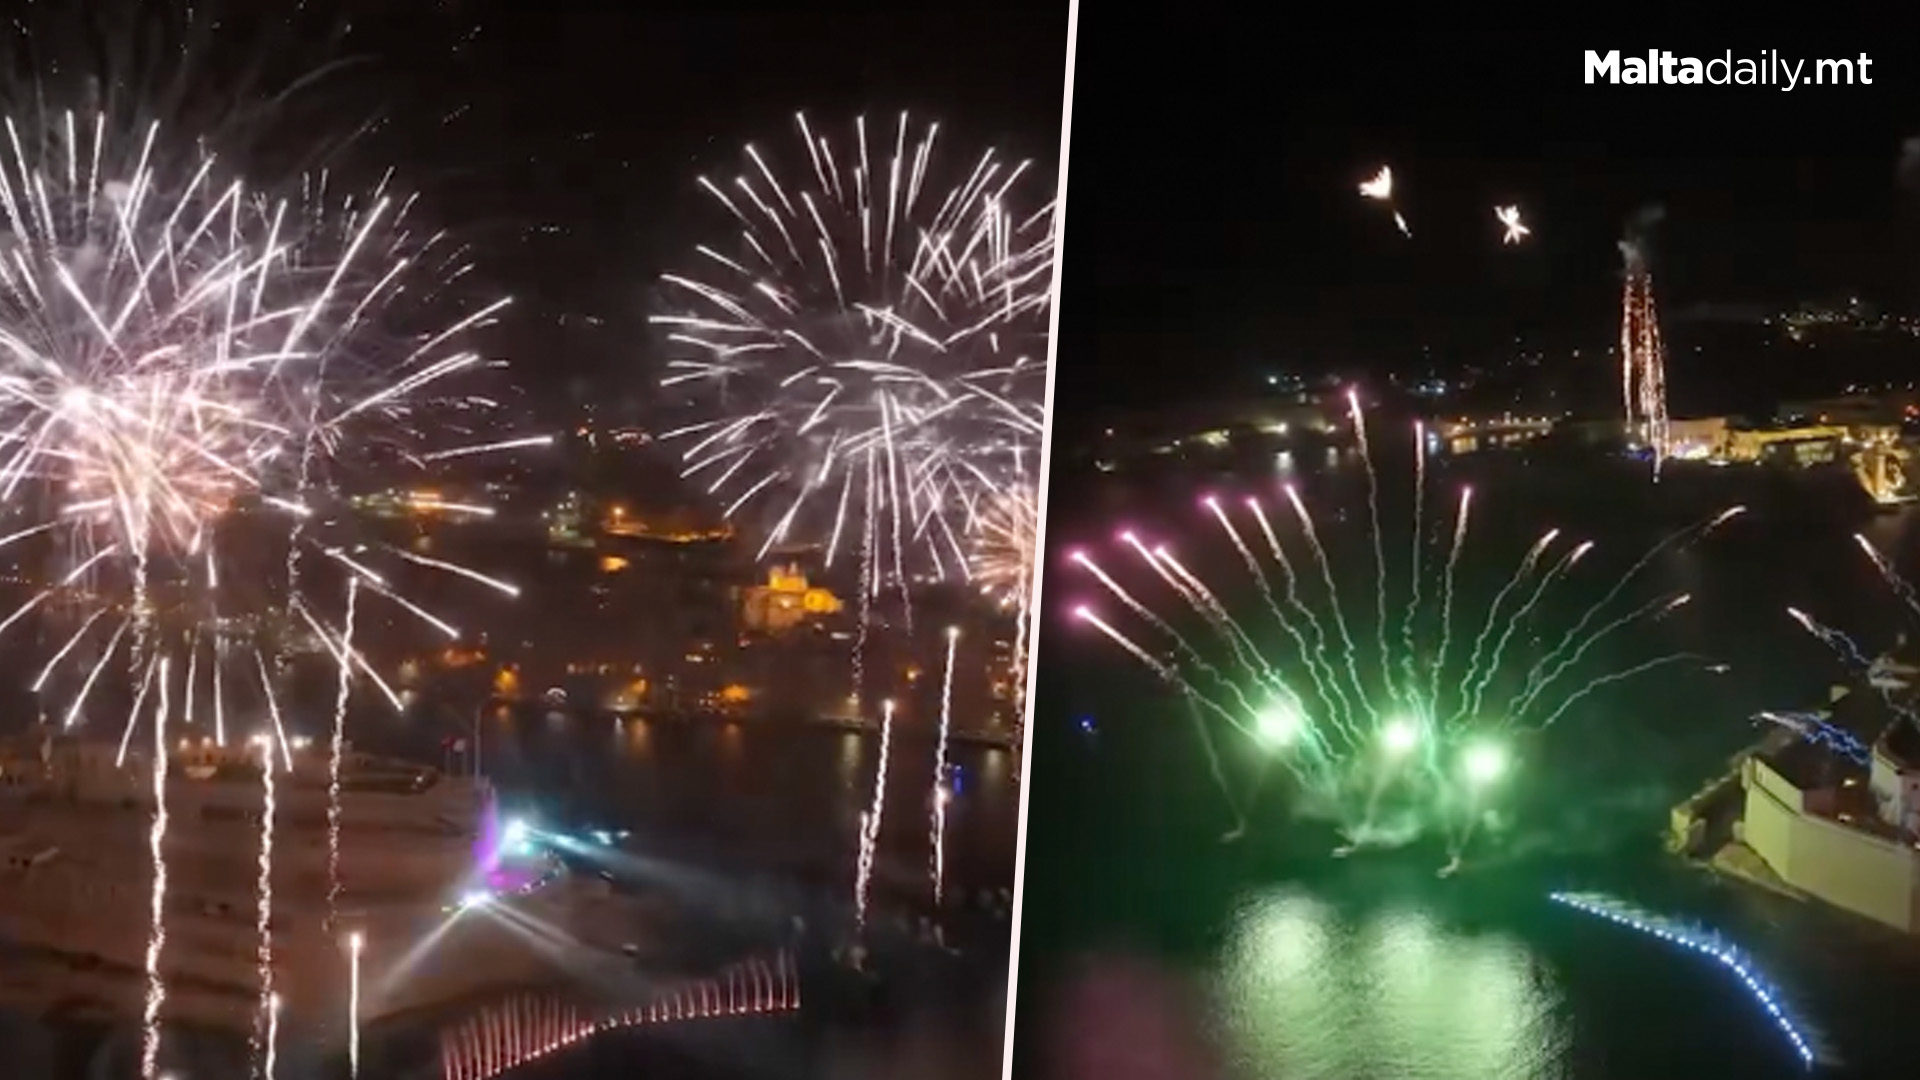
[[937, 828], [336, 751], [1815, 728], [263, 915], [870, 821], [1394, 738], [1901, 587], [869, 583], [873, 322], [354, 944], [1509, 218], [157, 932], [273, 1037], [1843, 646], [172, 341], [1448, 578], [1417, 547], [1373, 520], [1380, 189], [1643, 362]]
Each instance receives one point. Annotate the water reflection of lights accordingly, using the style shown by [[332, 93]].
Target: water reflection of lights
[[1706, 944], [849, 762], [1310, 990]]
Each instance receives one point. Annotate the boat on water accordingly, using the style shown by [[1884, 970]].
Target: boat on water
[[448, 903]]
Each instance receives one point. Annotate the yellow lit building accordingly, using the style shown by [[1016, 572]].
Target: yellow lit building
[[1838, 831], [787, 600]]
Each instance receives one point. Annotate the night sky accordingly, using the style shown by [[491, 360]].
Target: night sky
[[585, 129], [1215, 229], [561, 140]]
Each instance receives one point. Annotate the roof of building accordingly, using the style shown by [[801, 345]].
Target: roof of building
[[1812, 767]]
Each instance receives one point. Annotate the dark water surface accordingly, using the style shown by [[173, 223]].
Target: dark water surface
[[1294, 965]]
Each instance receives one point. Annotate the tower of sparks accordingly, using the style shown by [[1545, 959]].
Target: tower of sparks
[[1643, 365]]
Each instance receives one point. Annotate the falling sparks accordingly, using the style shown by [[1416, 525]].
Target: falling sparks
[[180, 345], [1417, 714], [180, 351], [336, 751], [1005, 546], [1643, 361], [263, 912], [157, 930], [937, 831], [1509, 217], [1380, 189], [870, 821], [872, 344]]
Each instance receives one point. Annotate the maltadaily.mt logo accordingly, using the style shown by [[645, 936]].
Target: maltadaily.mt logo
[[1661, 68]]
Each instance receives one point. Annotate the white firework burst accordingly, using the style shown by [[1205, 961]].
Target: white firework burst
[[867, 350]]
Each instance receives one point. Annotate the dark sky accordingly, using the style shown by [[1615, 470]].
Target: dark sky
[[1214, 224]]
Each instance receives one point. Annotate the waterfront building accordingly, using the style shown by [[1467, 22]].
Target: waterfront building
[[1840, 822]]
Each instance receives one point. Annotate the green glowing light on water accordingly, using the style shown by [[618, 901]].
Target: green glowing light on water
[[1484, 763], [1279, 726], [1399, 737]]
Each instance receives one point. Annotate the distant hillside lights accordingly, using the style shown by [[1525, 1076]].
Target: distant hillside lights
[[1465, 435], [424, 503], [577, 520]]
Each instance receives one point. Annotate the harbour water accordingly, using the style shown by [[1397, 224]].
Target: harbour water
[[1148, 938]]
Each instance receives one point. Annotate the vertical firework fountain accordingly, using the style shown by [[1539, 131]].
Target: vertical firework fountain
[[273, 1036], [870, 821], [336, 749], [938, 827], [1022, 629], [157, 937], [264, 1021], [355, 945], [1643, 365]]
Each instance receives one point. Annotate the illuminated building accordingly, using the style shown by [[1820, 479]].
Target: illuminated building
[[1882, 469], [1834, 828], [786, 601]]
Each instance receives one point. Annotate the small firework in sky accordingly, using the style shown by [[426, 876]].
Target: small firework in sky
[[1380, 189], [1509, 217]]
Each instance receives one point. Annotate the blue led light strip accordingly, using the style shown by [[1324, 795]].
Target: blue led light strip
[[1727, 956]]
